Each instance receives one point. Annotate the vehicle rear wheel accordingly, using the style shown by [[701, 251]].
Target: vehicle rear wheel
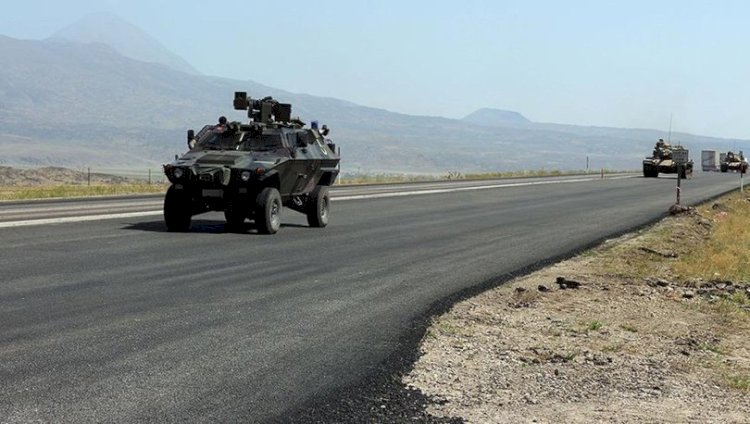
[[268, 211], [318, 208], [724, 168], [178, 210]]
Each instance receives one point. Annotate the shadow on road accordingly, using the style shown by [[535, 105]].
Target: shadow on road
[[203, 226]]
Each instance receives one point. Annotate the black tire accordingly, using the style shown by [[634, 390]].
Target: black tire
[[268, 211], [724, 168], [318, 209], [235, 216], [178, 210]]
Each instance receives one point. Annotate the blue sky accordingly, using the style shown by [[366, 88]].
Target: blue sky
[[606, 63]]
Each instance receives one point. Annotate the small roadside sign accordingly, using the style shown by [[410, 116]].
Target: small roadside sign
[[680, 156]]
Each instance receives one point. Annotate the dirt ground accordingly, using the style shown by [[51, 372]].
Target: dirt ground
[[613, 335]]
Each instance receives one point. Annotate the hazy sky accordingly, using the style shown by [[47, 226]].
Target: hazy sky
[[609, 63]]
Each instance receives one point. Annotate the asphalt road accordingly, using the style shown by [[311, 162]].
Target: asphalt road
[[116, 320]]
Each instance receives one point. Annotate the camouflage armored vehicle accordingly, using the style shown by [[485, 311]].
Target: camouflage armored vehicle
[[733, 162], [661, 161], [251, 170]]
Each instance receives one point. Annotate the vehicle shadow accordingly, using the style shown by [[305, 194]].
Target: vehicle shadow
[[203, 226]]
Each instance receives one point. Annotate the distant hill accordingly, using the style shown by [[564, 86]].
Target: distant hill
[[12, 177], [74, 104], [127, 39], [495, 117]]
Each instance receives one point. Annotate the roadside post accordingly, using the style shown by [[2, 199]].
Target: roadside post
[[680, 156]]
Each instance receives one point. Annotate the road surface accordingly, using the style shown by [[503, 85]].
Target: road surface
[[116, 320]]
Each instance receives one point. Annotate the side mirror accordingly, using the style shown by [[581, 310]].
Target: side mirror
[[324, 130]]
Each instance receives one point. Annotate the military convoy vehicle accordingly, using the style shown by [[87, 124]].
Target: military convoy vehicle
[[251, 170], [733, 162], [662, 161]]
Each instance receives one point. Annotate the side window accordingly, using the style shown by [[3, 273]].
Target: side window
[[303, 139]]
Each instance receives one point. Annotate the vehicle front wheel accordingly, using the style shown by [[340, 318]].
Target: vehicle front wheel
[[268, 211], [178, 210], [318, 208]]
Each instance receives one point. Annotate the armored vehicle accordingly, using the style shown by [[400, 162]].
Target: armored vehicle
[[661, 161], [251, 170], [733, 162]]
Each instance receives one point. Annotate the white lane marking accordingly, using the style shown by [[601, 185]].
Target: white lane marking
[[472, 188], [84, 218], [68, 219]]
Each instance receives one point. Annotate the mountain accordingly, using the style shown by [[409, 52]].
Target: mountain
[[495, 117], [127, 39], [72, 104]]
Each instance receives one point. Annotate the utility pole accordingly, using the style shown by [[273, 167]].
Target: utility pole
[[679, 188]]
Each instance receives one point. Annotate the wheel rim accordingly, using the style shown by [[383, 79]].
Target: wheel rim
[[324, 210], [275, 214]]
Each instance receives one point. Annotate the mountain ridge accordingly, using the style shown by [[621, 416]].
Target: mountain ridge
[[74, 104], [126, 38], [495, 117]]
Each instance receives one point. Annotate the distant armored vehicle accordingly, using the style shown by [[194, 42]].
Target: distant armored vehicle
[[661, 161], [733, 162], [249, 171]]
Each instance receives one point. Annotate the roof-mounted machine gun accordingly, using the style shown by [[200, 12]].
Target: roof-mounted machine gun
[[265, 111]]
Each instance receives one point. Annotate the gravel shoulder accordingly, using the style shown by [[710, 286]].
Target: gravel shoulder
[[631, 331]]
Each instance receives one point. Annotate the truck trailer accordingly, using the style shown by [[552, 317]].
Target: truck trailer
[[709, 161]]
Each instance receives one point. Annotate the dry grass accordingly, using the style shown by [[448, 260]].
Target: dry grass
[[70, 190], [689, 251], [727, 254]]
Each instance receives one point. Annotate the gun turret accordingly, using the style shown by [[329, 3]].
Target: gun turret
[[266, 110]]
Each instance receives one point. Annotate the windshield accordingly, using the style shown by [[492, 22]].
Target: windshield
[[262, 142], [217, 137]]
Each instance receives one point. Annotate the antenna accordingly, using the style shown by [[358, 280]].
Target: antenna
[[669, 136]]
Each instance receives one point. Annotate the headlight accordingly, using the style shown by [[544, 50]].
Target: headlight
[[245, 176], [178, 173]]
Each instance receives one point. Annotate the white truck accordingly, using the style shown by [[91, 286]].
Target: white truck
[[709, 161]]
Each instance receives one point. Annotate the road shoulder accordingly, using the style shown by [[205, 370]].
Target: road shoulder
[[630, 331]]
